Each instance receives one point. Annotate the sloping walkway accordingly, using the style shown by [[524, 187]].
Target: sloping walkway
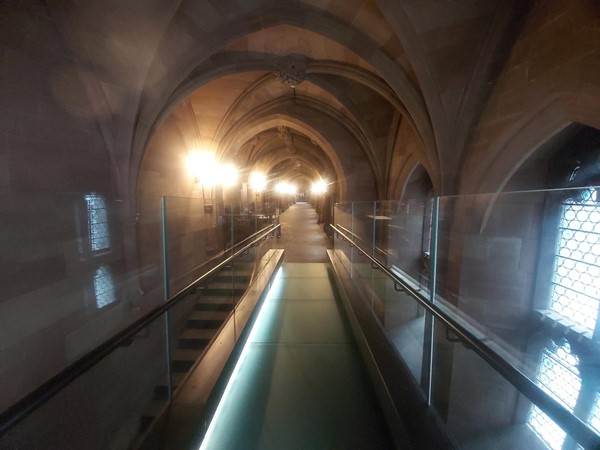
[[301, 384], [301, 236]]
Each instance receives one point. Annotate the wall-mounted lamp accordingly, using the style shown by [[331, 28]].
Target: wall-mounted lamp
[[319, 187], [257, 181], [284, 187], [209, 173], [228, 175], [202, 167]]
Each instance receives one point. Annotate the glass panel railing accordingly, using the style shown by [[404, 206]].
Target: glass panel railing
[[398, 314], [363, 214], [362, 272], [516, 271], [402, 319], [403, 236], [205, 312], [480, 408], [491, 284], [244, 225], [343, 215], [109, 406], [114, 401], [528, 270], [71, 282], [343, 250], [195, 236]]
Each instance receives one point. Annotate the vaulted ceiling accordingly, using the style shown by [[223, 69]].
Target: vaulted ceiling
[[308, 86]]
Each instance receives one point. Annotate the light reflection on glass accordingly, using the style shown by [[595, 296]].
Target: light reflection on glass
[[546, 429], [576, 296], [97, 222], [575, 291], [558, 376], [594, 420], [104, 287]]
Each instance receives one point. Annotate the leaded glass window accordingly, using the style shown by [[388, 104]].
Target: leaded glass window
[[558, 376], [547, 430], [97, 222], [594, 420], [575, 288], [575, 294], [104, 287]]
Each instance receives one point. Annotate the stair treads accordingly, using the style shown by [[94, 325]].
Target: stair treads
[[214, 302]]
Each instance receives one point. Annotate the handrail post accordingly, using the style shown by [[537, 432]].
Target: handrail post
[[232, 233], [167, 292], [429, 331], [433, 250], [374, 228], [351, 247]]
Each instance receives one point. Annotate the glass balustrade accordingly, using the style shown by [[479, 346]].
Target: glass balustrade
[[519, 272], [115, 403]]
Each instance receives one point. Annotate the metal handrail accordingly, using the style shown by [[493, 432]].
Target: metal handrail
[[221, 254], [357, 237], [35, 399], [574, 426]]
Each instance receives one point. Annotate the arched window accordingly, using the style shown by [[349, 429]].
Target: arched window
[[559, 376], [97, 223], [410, 228], [575, 292], [569, 295], [104, 287], [575, 296], [99, 244]]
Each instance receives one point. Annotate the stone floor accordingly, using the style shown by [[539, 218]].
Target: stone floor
[[301, 236]]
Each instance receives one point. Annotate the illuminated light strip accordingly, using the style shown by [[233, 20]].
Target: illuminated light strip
[[257, 324]]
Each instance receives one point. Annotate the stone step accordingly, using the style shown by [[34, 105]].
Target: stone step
[[161, 392], [214, 303], [181, 366], [182, 360], [196, 338], [154, 408], [207, 319], [224, 288], [233, 275]]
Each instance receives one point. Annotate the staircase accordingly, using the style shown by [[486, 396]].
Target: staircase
[[212, 305]]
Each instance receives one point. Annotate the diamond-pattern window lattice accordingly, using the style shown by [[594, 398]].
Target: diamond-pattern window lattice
[[576, 295], [546, 428], [575, 289], [558, 376], [97, 222], [594, 419], [104, 287]]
